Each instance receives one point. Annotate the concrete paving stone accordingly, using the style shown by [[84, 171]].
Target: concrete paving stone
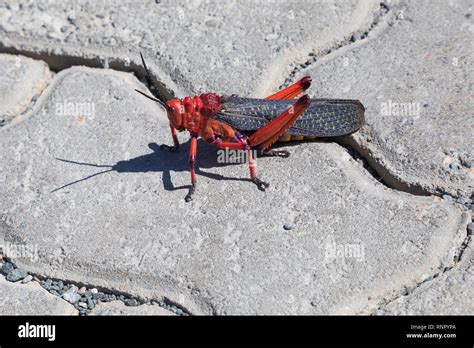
[[415, 79], [225, 46], [449, 294], [354, 242], [119, 308], [22, 79], [30, 299]]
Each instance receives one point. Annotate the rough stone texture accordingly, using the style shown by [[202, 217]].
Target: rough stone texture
[[21, 79], [30, 299], [325, 238], [119, 308], [227, 46], [451, 293], [423, 60], [226, 252]]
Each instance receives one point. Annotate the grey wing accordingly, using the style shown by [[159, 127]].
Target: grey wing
[[324, 117]]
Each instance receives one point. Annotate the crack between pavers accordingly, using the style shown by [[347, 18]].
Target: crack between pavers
[[105, 295], [5, 121], [313, 58], [377, 170], [459, 252], [61, 62], [64, 61], [408, 290], [385, 177]]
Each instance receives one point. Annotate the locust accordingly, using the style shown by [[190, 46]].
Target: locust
[[248, 124]]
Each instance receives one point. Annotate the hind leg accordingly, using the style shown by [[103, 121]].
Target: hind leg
[[293, 90]]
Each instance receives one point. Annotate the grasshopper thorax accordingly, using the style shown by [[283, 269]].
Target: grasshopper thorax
[[186, 113]]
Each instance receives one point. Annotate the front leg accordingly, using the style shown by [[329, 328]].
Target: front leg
[[192, 162], [175, 147]]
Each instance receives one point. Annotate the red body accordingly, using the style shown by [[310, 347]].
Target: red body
[[195, 115]]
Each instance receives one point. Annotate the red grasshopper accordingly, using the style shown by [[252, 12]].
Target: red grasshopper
[[246, 123]]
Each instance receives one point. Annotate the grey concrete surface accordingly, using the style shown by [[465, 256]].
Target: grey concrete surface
[[224, 46], [119, 308], [88, 197], [30, 299], [442, 296], [227, 252], [22, 79], [415, 79]]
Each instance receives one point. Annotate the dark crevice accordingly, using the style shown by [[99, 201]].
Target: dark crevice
[[378, 171], [59, 62], [384, 176], [362, 161], [408, 290], [103, 295], [4, 121], [313, 57]]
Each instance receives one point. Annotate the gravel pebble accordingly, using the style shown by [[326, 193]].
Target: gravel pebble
[[108, 298], [288, 227], [104, 62], [470, 228], [16, 275], [82, 290], [82, 305], [27, 279], [71, 295], [90, 303], [448, 198], [464, 200], [7, 268], [376, 18], [94, 291], [47, 283], [355, 37], [98, 296], [131, 302]]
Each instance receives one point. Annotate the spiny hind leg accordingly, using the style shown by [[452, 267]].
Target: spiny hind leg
[[262, 185], [292, 91], [265, 136], [242, 144]]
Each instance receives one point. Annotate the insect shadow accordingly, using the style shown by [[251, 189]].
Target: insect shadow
[[160, 160]]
